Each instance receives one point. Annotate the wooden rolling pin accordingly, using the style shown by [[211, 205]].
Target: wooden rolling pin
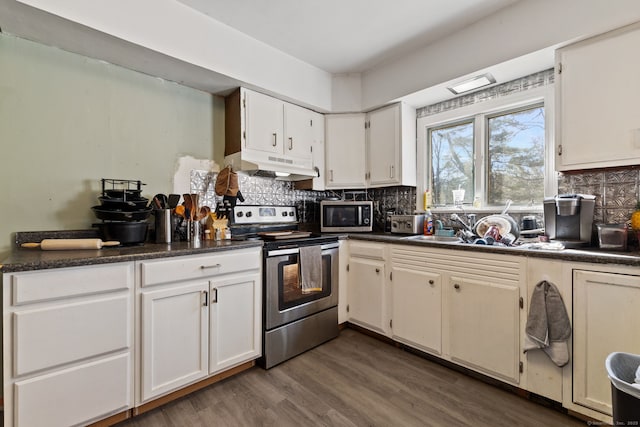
[[67, 244]]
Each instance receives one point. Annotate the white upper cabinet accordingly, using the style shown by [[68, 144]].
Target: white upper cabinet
[[262, 132], [597, 93], [299, 132], [345, 165], [376, 149], [264, 127], [391, 146]]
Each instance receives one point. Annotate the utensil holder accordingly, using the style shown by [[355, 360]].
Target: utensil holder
[[164, 225], [194, 232]]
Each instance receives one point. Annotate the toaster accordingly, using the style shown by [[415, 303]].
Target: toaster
[[407, 224]]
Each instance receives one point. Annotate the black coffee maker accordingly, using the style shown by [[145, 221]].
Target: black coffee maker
[[568, 219]]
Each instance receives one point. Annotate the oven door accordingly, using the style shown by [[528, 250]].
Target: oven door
[[285, 300]]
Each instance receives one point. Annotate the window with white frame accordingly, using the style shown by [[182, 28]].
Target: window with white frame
[[496, 150]]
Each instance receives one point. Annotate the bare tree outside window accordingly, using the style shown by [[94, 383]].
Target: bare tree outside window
[[515, 167], [452, 162]]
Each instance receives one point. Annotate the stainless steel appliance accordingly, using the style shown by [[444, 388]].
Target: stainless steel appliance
[[568, 219], [407, 224], [295, 318], [337, 216]]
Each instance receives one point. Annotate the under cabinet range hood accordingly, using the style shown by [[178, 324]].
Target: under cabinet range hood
[[270, 167]]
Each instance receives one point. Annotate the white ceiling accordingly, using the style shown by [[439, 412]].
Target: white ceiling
[[347, 36]]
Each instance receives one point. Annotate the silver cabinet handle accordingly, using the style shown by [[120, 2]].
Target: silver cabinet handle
[[290, 143], [204, 267], [275, 139], [331, 175], [391, 171], [214, 294]]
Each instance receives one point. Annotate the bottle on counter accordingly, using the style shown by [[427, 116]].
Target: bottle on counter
[[428, 223], [427, 200]]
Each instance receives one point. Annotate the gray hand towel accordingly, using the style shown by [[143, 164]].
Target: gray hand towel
[[310, 263], [548, 326]]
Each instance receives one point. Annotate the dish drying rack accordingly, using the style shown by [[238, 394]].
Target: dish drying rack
[[123, 185]]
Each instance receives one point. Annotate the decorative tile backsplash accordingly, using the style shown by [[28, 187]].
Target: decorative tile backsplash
[[268, 191], [616, 191]]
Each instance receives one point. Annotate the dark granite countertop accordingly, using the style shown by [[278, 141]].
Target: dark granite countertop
[[36, 259], [590, 255]]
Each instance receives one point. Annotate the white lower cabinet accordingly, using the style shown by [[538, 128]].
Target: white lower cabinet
[[199, 315], [67, 344], [416, 309], [367, 291], [606, 319], [484, 325], [235, 319], [74, 395], [174, 337], [459, 305]]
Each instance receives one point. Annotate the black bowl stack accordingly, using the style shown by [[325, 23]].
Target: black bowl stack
[[123, 211]]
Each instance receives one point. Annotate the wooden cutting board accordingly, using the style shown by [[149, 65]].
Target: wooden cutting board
[[281, 235]]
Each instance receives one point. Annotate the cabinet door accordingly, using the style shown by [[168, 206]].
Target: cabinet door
[[606, 319], [74, 396], [236, 321], [82, 330], [174, 328], [416, 312], [299, 133], [264, 123], [366, 280], [484, 326], [384, 146], [345, 151], [317, 150], [597, 92]]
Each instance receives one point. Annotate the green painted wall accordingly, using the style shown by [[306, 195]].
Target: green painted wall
[[66, 121]]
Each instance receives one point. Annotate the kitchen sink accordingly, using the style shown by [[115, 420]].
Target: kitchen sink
[[434, 238]]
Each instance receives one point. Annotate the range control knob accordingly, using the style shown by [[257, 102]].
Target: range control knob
[[249, 214], [239, 214], [366, 221], [284, 214], [291, 213]]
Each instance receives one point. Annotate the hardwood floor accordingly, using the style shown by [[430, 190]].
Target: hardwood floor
[[354, 380]]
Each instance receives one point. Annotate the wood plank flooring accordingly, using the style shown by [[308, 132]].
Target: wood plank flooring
[[354, 380]]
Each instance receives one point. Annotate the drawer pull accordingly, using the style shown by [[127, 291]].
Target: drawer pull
[[431, 281], [456, 286], [204, 267], [377, 270]]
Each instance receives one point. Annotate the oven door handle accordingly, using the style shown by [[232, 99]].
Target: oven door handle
[[291, 251]]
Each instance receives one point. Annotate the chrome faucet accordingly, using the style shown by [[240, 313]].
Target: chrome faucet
[[472, 220]]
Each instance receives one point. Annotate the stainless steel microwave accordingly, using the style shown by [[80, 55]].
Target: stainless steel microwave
[[345, 216]]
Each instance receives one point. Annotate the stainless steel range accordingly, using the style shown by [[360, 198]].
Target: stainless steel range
[[300, 281]]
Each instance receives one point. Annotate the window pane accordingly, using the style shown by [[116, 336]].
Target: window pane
[[452, 162], [516, 157]]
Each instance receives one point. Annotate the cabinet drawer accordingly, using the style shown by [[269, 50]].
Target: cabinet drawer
[[30, 287], [154, 272], [50, 337], [76, 395], [367, 250]]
